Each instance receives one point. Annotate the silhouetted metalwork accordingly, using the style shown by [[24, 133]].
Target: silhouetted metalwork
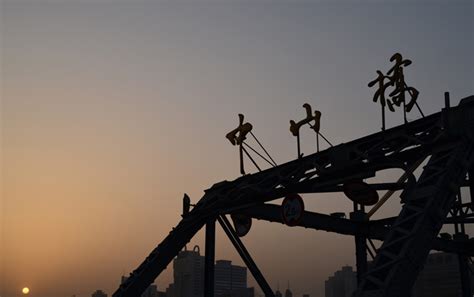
[[209, 258], [445, 139], [273, 163], [360, 192], [245, 255], [396, 79], [360, 241], [242, 224]]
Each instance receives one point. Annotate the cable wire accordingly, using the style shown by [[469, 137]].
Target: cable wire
[[256, 139], [271, 164]]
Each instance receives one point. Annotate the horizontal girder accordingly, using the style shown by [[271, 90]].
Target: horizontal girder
[[376, 229]]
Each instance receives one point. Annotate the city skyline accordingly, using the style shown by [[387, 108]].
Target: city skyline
[[441, 267], [111, 112]]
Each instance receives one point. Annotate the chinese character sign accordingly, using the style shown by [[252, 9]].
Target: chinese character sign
[[400, 92]]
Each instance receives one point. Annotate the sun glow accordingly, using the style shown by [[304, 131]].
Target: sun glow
[[25, 291]]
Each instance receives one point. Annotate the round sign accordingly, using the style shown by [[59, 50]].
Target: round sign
[[242, 224], [292, 209], [360, 192]]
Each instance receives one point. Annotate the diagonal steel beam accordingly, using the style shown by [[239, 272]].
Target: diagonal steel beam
[[244, 254]]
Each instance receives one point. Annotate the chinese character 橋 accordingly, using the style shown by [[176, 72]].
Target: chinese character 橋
[[395, 79], [398, 79]]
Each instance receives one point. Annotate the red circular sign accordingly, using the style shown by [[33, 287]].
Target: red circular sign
[[292, 209]]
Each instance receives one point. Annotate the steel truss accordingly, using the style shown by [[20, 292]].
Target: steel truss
[[446, 138]]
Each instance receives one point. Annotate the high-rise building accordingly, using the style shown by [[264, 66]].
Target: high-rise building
[[278, 293], [342, 284], [229, 279], [440, 277], [170, 291], [188, 272], [99, 293], [288, 292]]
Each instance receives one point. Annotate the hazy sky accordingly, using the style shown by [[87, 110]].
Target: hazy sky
[[111, 110]]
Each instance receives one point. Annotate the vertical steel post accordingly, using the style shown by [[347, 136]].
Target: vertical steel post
[[361, 257], [471, 183], [209, 258], [360, 245], [383, 117], [241, 156], [298, 145], [447, 102]]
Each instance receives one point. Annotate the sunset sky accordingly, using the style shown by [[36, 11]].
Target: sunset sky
[[111, 110]]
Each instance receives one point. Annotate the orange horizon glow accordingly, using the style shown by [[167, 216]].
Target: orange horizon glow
[[109, 113]]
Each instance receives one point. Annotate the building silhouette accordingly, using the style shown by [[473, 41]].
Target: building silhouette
[[342, 284], [440, 277], [99, 293], [230, 280], [288, 292], [278, 293], [188, 272], [170, 292]]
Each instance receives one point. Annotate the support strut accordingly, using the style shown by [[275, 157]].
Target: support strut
[[209, 258], [471, 183], [360, 246], [244, 254]]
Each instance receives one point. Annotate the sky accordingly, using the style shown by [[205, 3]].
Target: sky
[[112, 110]]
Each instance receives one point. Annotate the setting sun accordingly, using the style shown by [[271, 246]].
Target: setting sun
[[25, 290]]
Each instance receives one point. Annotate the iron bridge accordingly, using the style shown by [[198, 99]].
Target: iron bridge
[[444, 141]]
